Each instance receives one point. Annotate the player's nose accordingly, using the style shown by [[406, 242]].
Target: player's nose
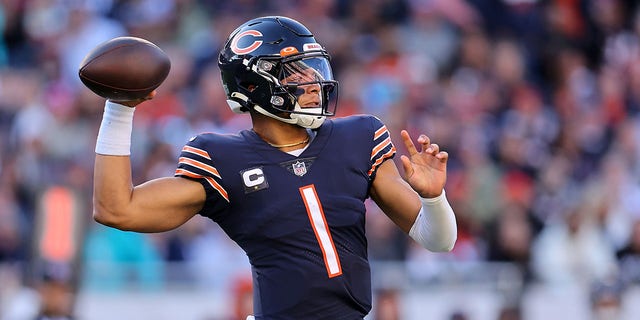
[[313, 96], [312, 89]]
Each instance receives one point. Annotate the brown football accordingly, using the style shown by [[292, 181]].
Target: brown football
[[124, 68]]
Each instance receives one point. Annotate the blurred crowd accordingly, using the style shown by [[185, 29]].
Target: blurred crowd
[[536, 101]]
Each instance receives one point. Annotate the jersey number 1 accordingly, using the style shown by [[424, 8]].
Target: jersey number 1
[[321, 229]]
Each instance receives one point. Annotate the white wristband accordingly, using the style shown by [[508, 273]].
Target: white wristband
[[114, 137], [435, 226]]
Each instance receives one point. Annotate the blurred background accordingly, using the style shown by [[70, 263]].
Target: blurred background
[[537, 102]]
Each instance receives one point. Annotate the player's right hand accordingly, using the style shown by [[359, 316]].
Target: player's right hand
[[134, 103]]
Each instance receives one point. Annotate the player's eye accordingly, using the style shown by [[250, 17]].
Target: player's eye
[[295, 89]]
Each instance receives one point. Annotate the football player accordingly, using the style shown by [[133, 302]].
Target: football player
[[290, 191]]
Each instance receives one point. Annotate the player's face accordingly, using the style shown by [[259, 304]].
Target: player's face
[[307, 90]]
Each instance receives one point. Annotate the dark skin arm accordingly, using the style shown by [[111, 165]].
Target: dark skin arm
[[425, 176], [154, 206]]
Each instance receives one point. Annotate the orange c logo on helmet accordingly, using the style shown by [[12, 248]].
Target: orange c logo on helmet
[[247, 49]]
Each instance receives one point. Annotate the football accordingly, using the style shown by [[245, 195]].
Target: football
[[124, 68]]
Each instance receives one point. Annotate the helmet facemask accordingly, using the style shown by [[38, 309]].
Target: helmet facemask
[[303, 91]]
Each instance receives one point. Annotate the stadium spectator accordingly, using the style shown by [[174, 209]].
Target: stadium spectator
[[629, 257], [572, 252]]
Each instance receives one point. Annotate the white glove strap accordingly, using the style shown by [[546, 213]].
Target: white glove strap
[[435, 227], [114, 137]]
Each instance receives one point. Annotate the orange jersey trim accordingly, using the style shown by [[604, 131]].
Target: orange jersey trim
[[196, 151], [210, 180], [202, 166], [385, 143], [380, 132], [381, 159]]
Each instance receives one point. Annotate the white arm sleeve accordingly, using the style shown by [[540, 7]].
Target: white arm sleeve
[[435, 227], [114, 136]]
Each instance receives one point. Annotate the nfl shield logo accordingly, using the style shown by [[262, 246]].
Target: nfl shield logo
[[299, 168]]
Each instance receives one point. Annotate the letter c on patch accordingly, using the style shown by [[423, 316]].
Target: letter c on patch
[[249, 48], [253, 177]]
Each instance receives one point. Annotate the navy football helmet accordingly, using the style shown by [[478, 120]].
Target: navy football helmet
[[268, 64]]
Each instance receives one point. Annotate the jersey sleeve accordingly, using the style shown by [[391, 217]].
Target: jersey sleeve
[[383, 148], [195, 163]]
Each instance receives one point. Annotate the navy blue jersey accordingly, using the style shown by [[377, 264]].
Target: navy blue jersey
[[301, 220]]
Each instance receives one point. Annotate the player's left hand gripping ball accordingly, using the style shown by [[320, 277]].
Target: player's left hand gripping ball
[[124, 69]]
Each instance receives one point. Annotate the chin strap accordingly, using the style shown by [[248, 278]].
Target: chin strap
[[261, 110], [304, 120]]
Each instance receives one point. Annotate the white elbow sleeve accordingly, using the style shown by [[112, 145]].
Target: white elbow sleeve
[[114, 137], [435, 227]]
